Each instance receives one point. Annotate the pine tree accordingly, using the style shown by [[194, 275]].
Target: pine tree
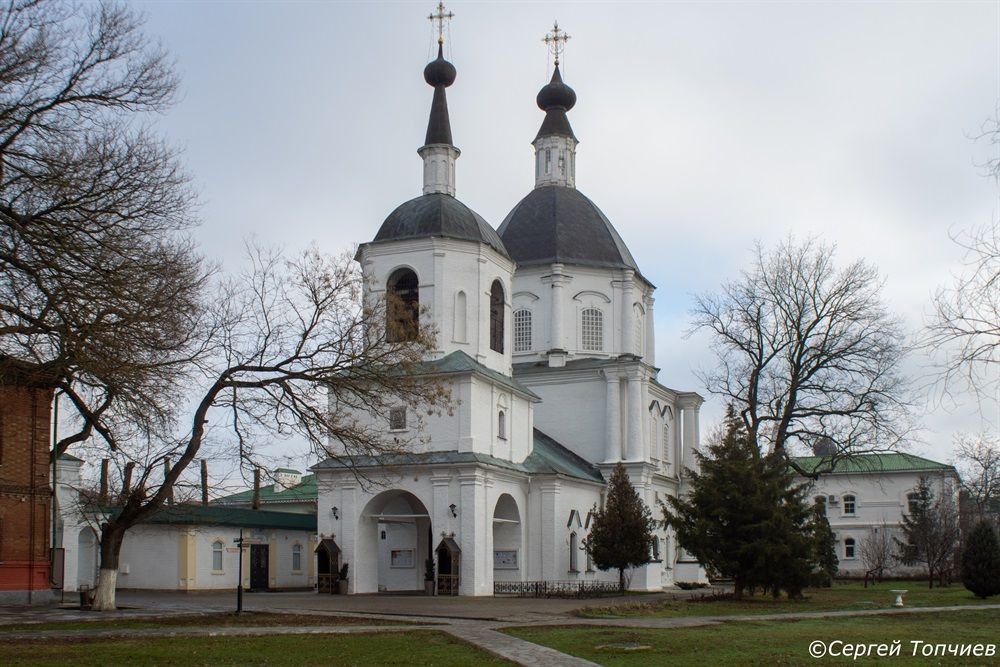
[[981, 561], [825, 545], [744, 518], [621, 534]]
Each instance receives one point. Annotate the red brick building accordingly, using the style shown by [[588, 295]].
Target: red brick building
[[25, 401]]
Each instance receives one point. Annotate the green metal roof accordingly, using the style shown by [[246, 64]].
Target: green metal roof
[[188, 515], [459, 362], [868, 463], [548, 457], [305, 490]]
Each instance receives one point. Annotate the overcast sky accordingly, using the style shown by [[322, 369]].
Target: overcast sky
[[704, 127]]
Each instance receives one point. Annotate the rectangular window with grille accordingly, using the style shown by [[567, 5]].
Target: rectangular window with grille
[[522, 331], [592, 330]]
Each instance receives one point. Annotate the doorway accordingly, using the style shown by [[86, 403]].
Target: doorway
[[258, 567]]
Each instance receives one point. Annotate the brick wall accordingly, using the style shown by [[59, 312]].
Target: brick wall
[[24, 488]]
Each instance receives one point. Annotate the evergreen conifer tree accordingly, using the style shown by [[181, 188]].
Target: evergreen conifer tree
[[981, 561], [621, 533], [825, 545], [743, 517]]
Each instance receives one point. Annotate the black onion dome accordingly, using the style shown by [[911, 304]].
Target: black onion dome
[[555, 99], [439, 72], [556, 94], [441, 215], [559, 224]]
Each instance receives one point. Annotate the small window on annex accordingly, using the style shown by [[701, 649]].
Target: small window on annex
[[522, 330], [592, 330], [217, 555], [402, 312], [849, 504], [296, 558], [849, 547], [496, 316]]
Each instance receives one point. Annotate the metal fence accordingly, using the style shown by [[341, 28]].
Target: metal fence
[[556, 589]]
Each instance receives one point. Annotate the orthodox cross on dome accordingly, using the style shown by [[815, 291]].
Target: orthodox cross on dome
[[556, 41], [441, 17]]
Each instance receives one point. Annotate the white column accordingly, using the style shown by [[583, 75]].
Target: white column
[[612, 418], [635, 415], [551, 538], [628, 314], [472, 538], [689, 414], [649, 354], [557, 280]]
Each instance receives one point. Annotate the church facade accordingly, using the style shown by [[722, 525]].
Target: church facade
[[545, 338]]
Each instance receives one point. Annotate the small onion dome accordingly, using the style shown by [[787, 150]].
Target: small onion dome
[[439, 72], [555, 94]]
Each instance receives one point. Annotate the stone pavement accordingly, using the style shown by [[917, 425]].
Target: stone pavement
[[478, 621]]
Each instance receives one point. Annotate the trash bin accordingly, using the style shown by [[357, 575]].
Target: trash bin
[[86, 601]]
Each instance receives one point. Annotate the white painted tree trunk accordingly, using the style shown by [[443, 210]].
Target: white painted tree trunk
[[104, 596]]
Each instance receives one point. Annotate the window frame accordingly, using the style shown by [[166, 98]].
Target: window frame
[[850, 548], [849, 500], [220, 554], [523, 334], [591, 329], [395, 422]]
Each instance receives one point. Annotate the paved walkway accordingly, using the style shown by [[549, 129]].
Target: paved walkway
[[479, 621]]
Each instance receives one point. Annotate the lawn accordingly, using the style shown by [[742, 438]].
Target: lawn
[[220, 620], [848, 596], [395, 648], [772, 642]]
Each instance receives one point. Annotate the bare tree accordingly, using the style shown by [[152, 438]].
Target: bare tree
[[291, 349], [806, 351], [101, 287], [877, 552], [978, 464], [964, 326]]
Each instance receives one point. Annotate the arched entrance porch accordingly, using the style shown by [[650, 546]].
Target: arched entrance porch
[[507, 553], [394, 541]]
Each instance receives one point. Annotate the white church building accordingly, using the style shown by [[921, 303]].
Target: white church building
[[545, 338]]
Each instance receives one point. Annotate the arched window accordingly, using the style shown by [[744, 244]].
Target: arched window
[[667, 440], [592, 329], [656, 549], [496, 317], [522, 330], [296, 558], [402, 307], [461, 318], [217, 555], [637, 330], [573, 548], [821, 500], [849, 547], [849, 504], [501, 425]]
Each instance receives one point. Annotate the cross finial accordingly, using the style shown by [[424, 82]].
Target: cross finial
[[556, 41], [441, 17]]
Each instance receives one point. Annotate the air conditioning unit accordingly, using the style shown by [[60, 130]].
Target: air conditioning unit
[[833, 500]]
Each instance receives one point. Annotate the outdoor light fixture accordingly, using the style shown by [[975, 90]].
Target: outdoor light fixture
[[453, 507], [335, 515]]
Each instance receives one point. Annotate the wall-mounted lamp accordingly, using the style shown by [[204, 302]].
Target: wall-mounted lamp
[[335, 514], [453, 507]]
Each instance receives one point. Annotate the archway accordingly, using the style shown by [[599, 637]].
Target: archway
[[86, 558], [394, 541], [506, 540], [449, 567]]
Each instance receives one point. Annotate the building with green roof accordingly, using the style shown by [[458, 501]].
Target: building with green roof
[[866, 496]]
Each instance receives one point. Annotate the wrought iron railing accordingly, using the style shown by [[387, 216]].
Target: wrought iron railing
[[556, 589]]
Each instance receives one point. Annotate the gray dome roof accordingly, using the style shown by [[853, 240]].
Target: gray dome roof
[[559, 224], [438, 214]]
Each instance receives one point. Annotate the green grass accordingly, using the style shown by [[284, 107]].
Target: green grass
[[390, 648], [771, 642], [849, 596], [218, 620]]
